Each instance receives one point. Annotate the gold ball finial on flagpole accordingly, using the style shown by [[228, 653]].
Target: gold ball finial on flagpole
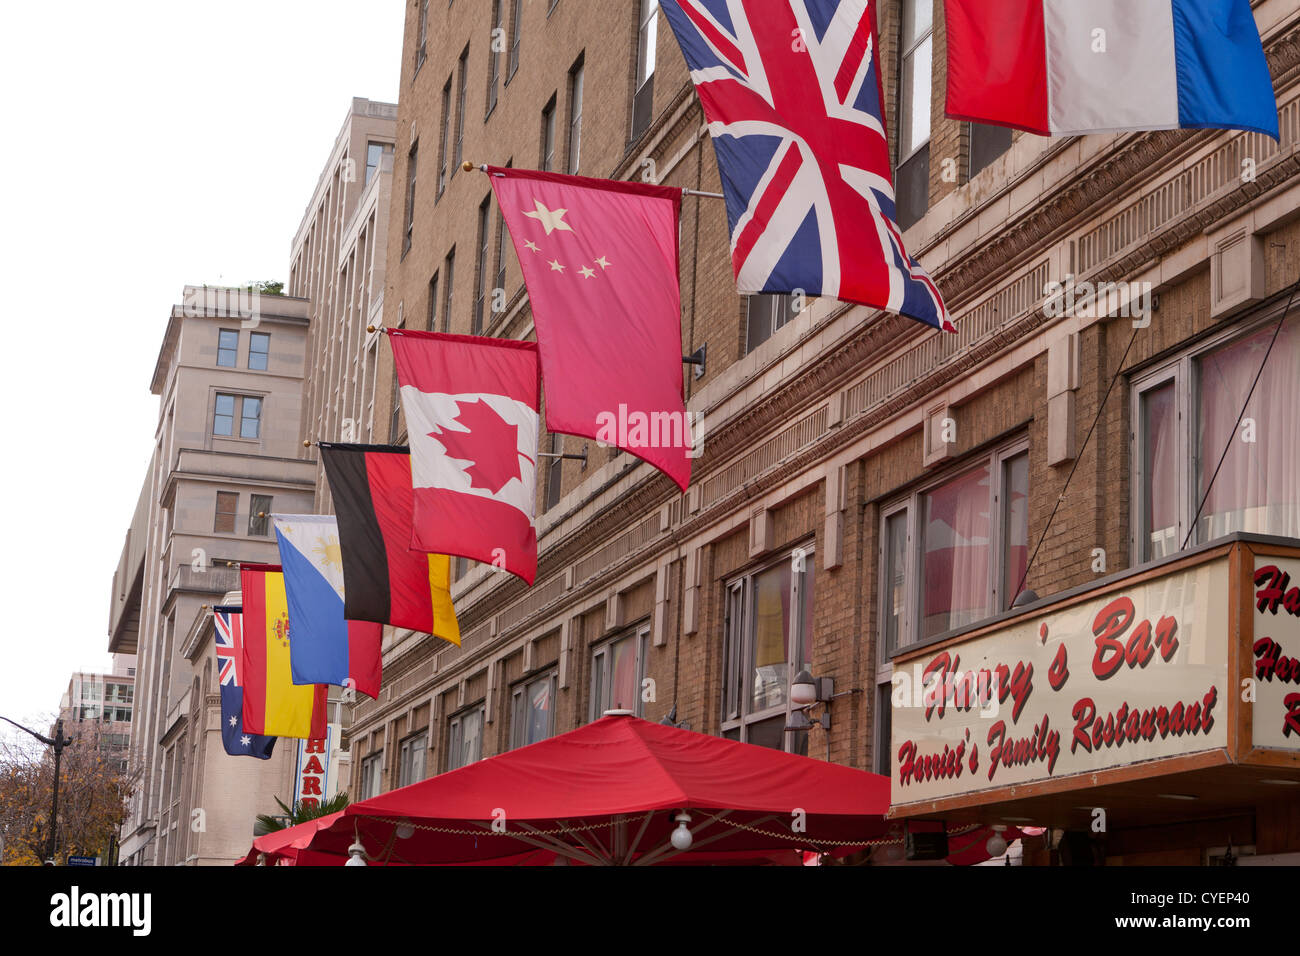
[[306, 443], [467, 166], [371, 328]]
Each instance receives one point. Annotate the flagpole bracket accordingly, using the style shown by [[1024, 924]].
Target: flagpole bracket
[[697, 358], [567, 455]]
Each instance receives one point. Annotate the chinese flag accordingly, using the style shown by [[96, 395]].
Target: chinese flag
[[273, 704], [599, 259], [471, 413]]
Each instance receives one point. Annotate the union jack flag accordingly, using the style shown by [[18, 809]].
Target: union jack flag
[[229, 622], [793, 97]]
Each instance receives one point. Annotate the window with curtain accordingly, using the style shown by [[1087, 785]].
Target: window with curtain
[[465, 737], [533, 710], [767, 640], [1184, 418], [646, 39], [954, 551], [617, 670]]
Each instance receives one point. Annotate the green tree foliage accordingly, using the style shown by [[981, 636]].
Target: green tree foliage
[[301, 812]]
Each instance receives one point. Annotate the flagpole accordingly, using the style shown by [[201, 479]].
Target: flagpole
[[469, 167]]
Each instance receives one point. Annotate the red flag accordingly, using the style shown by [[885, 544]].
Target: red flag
[[471, 414], [599, 258]]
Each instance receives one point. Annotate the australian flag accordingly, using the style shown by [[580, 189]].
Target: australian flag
[[229, 623], [792, 93]]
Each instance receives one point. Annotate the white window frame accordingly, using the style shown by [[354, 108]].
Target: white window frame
[[456, 734], [412, 750], [909, 633], [601, 658], [739, 638], [1181, 370], [372, 775], [518, 703]]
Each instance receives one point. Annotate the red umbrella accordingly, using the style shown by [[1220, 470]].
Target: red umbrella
[[284, 845], [615, 792]]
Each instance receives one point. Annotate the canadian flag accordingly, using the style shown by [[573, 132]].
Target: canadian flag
[[471, 407]]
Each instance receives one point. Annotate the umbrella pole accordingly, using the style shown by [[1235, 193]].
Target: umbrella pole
[[636, 841], [545, 841]]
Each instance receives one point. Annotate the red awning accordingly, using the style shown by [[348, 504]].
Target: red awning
[[609, 792]]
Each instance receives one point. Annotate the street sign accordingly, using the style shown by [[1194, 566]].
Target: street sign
[[83, 861]]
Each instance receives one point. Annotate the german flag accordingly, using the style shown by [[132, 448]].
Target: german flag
[[383, 579], [274, 705]]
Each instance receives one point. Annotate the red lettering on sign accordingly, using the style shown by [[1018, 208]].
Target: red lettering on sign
[[1112, 652], [1271, 663], [311, 785], [313, 765], [1276, 591], [315, 746], [1059, 672], [1128, 725], [1292, 720]]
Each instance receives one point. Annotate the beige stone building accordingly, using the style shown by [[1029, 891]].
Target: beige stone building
[[870, 491], [227, 454], [337, 263], [96, 709]]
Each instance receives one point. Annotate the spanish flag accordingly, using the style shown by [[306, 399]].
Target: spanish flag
[[383, 579], [273, 704]]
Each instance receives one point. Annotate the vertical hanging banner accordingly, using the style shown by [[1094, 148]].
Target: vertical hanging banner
[[599, 259], [229, 625], [792, 92], [471, 409], [327, 648], [1063, 68], [316, 770], [384, 580], [273, 704]]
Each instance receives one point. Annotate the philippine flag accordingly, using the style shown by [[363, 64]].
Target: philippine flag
[[471, 407], [1069, 67], [326, 649]]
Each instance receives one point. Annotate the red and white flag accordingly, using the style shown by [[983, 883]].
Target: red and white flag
[[599, 259], [471, 414]]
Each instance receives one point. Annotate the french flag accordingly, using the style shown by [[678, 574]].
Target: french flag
[[1066, 67]]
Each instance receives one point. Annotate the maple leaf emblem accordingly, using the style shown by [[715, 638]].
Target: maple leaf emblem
[[491, 446]]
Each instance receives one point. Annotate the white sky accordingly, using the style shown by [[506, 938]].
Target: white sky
[[147, 145]]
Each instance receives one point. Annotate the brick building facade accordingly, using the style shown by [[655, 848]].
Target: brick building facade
[[833, 436]]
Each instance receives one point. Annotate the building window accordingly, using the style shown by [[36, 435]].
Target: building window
[[259, 351], [410, 760], [462, 78], [554, 472], [227, 507], [411, 163], [465, 737], [481, 272], [913, 177], [575, 117], [443, 137], [767, 639], [548, 137], [374, 158], [1185, 414], [422, 45], [395, 431], [516, 30], [532, 715], [227, 348], [449, 270], [432, 324], [259, 515], [617, 672], [646, 40], [764, 315], [372, 771], [250, 417], [244, 407], [494, 58], [223, 416], [954, 552], [987, 143]]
